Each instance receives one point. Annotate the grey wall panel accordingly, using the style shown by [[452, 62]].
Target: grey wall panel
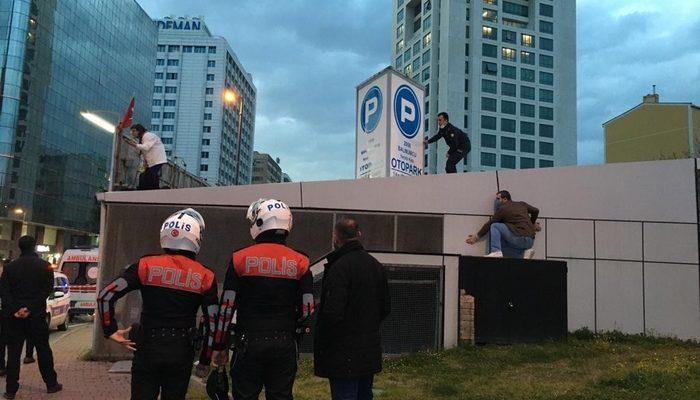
[[419, 234], [580, 279], [675, 243], [312, 232], [540, 244], [649, 191], [454, 193], [456, 229], [377, 229], [569, 239], [618, 240], [672, 301], [619, 305]]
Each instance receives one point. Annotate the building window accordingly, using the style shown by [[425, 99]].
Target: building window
[[171, 75], [399, 45], [427, 39], [507, 125], [527, 92], [167, 140], [508, 89], [205, 154], [171, 89], [508, 54], [200, 49], [207, 117], [211, 63], [208, 104], [546, 96], [168, 153], [186, 49], [170, 103], [527, 58], [546, 113], [489, 68], [509, 72], [546, 44], [546, 163], [426, 57], [527, 128], [527, 40], [546, 131], [527, 146], [209, 90], [490, 15], [488, 86], [488, 104], [426, 23], [399, 31], [509, 37], [489, 50], [155, 114], [488, 32], [488, 141], [507, 143], [546, 27], [160, 61], [204, 167], [416, 65], [212, 49], [546, 61], [527, 110], [161, 47], [546, 78], [206, 129], [426, 74], [159, 75], [546, 10], [507, 161], [527, 75], [408, 69], [157, 102], [399, 16], [210, 77], [155, 128], [168, 115], [546, 148], [492, 2], [205, 142], [399, 61], [488, 122], [488, 159], [173, 48], [527, 162], [168, 128], [407, 56], [173, 63], [516, 9]]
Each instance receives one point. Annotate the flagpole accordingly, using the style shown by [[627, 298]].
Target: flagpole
[[127, 120]]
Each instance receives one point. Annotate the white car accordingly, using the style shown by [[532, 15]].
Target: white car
[[58, 303]]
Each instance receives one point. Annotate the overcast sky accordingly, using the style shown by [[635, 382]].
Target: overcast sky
[[307, 56]]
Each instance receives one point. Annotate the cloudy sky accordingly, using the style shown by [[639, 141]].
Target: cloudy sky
[[307, 56]]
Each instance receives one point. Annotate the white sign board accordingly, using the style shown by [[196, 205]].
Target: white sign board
[[389, 126]]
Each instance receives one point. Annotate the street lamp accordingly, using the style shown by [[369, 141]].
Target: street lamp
[[230, 97], [19, 211], [111, 128]]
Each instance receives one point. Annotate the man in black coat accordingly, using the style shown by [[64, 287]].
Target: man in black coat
[[456, 140], [354, 302], [25, 285]]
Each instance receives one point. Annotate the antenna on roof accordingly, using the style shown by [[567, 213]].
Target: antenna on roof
[[653, 89]]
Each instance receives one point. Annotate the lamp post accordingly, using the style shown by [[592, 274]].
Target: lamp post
[[230, 97], [100, 122]]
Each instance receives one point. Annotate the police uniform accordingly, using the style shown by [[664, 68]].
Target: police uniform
[[173, 287], [270, 287]]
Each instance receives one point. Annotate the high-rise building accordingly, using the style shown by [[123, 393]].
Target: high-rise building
[[504, 71], [58, 59], [653, 130], [198, 124], [266, 169]]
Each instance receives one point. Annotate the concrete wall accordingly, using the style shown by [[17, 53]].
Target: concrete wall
[[629, 232]]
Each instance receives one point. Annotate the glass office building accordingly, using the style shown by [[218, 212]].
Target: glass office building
[[59, 58]]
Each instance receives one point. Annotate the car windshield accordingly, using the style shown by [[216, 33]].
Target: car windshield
[[80, 273]]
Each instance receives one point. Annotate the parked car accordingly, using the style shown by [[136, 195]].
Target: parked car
[[58, 303]]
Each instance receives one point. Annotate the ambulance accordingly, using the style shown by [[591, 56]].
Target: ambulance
[[81, 268]]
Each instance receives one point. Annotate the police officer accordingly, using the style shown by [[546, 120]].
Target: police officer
[[173, 286], [270, 287], [457, 141]]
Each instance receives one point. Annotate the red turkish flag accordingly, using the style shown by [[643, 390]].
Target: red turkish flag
[[128, 116]]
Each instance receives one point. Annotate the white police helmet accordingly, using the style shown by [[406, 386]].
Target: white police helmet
[[182, 231], [269, 214]]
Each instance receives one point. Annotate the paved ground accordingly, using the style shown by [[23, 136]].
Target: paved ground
[[81, 380]]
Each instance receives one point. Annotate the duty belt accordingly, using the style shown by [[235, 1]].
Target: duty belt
[[154, 333]]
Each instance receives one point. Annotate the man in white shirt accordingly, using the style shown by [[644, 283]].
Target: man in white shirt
[[154, 156]]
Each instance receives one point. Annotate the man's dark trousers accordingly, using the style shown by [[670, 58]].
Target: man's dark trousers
[[162, 365], [352, 389], [150, 178], [452, 160], [268, 360], [36, 329]]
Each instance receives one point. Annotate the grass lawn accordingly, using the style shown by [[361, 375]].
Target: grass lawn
[[608, 366]]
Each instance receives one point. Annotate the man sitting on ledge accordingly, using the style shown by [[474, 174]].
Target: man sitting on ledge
[[512, 228]]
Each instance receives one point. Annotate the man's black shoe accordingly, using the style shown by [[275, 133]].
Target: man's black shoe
[[29, 360], [9, 396], [56, 388]]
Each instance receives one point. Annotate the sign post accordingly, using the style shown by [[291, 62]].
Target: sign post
[[389, 126]]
